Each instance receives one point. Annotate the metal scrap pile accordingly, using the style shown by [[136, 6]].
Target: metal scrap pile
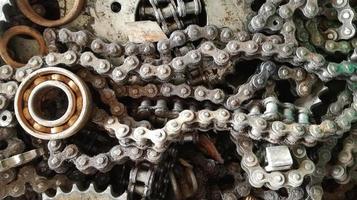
[[178, 99]]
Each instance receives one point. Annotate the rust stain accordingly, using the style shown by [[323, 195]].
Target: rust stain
[[207, 146]]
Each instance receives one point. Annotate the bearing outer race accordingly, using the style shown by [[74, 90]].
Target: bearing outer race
[[70, 108], [26, 8], [80, 122], [19, 30]]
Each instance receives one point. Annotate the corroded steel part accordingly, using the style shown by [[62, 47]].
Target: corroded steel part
[[238, 100], [17, 31], [46, 86], [26, 8]]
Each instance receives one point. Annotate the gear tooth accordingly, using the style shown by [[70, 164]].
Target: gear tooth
[[45, 197], [109, 188], [59, 191], [75, 188], [92, 188], [123, 196]]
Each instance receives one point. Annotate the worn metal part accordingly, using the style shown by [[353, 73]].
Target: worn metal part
[[38, 90], [181, 99], [278, 158], [13, 145], [115, 21], [27, 176], [26, 8], [228, 13], [19, 30], [3, 4], [89, 194], [20, 159]]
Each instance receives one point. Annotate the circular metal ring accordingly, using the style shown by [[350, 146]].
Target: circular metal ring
[[76, 114], [15, 31], [32, 103], [26, 8]]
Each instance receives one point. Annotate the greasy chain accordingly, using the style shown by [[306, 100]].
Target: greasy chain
[[272, 105]]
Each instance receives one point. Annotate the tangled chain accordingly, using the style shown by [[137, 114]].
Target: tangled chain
[[203, 112]]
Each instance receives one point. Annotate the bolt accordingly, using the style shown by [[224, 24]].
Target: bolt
[[206, 114], [15, 189], [87, 57], [184, 90], [210, 31], [226, 34], [299, 151], [55, 161], [174, 124], [278, 178], [135, 91], [246, 92], [268, 46], [284, 72], [224, 113], [167, 89], [164, 70], [97, 45], [110, 121], [70, 151], [5, 70], [5, 175], [150, 90], [201, 93], [296, 176], [280, 126], [68, 56], [164, 46], [117, 152], [102, 65], [251, 45], [117, 109], [194, 55], [146, 70], [187, 114], [118, 73], [135, 151], [250, 159], [153, 153], [308, 166], [147, 49], [179, 62], [242, 117], [178, 38], [131, 61], [259, 175], [207, 47], [346, 15], [140, 131], [347, 31], [10, 88], [330, 36], [33, 62], [222, 56], [339, 2], [218, 95], [288, 28], [286, 49], [100, 160]]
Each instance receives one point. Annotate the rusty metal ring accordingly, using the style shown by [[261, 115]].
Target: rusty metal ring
[[27, 10], [15, 31]]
